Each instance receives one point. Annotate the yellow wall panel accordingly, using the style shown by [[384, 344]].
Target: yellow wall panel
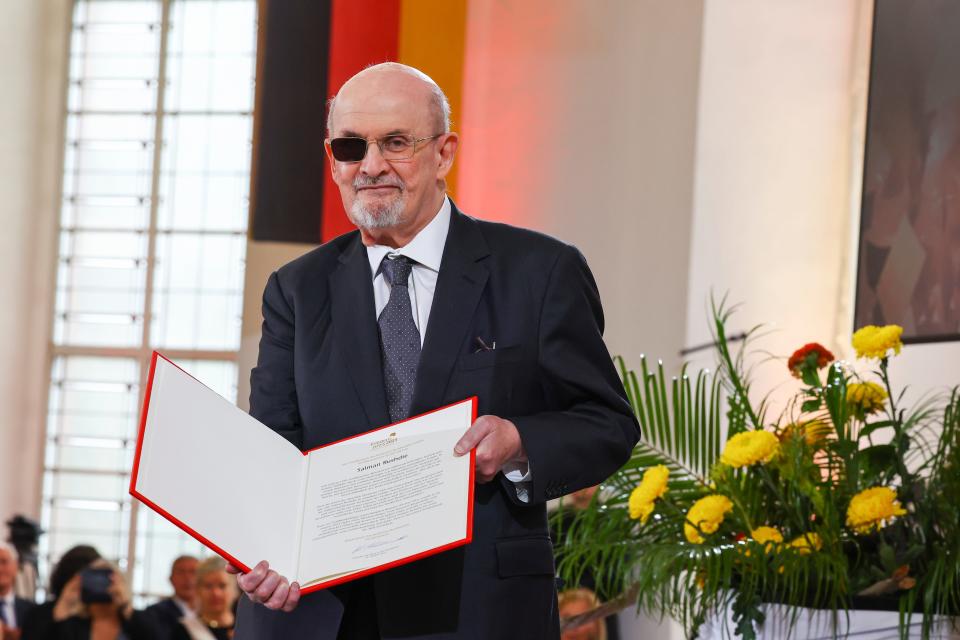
[[432, 34]]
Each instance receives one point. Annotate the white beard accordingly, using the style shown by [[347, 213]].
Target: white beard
[[378, 216]]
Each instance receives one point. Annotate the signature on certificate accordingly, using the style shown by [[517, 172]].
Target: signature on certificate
[[376, 544]]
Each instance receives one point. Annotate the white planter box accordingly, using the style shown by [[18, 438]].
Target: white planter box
[[814, 624]]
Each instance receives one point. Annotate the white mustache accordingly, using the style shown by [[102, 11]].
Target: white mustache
[[360, 182]]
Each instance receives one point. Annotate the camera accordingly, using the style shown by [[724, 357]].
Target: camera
[[95, 585]]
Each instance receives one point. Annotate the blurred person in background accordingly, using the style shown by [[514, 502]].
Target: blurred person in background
[[216, 594], [95, 604], [560, 521], [25, 536], [572, 603], [168, 612], [581, 499], [13, 610], [38, 622]]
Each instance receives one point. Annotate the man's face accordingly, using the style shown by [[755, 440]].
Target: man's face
[[381, 194], [589, 631], [8, 571], [182, 577]]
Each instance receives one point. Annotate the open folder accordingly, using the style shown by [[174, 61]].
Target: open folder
[[333, 514]]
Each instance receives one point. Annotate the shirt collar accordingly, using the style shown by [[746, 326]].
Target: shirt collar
[[10, 598], [426, 248], [184, 607]]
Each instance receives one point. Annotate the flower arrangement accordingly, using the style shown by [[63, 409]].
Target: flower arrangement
[[844, 496]]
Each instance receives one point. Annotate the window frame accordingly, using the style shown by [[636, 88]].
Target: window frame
[[142, 352]]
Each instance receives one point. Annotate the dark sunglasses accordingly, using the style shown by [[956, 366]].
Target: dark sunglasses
[[393, 148]]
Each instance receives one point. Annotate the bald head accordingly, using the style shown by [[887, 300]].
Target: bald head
[[391, 192], [392, 81]]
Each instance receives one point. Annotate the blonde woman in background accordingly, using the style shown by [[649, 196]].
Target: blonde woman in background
[[215, 593], [573, 602]]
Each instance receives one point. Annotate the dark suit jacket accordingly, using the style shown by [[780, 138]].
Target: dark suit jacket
[[21, 607], [37, 622], [220, 633], [318, 379], [138, 627], [166, 618]]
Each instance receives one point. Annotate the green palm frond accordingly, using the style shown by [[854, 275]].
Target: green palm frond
[[804, 489], [733, 370], [682, 430]]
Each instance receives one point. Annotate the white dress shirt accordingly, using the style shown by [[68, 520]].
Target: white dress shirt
[[426, 251], [184, 607], [9, 610]]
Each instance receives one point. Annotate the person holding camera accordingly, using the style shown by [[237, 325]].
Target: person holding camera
[[92, 603], [38, 623], [96, 605]]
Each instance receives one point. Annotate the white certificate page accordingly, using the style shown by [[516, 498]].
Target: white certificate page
[[387, 497], [193, 445]]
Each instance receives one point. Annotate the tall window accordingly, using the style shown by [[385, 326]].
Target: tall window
[[152, 246]]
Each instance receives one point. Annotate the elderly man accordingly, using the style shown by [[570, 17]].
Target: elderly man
[[474, 308], [13, 610], [168, 612]]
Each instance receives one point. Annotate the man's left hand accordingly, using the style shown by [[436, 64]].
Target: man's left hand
[[497, 442]]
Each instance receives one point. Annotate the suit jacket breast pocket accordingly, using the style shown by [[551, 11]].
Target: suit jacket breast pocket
[[490, 358], [489, 375]]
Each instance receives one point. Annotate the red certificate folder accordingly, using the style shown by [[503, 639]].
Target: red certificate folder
[[348, 509]]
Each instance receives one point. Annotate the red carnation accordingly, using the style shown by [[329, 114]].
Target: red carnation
[[805, 354]]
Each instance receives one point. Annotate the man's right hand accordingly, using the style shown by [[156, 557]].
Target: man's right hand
[[266, 586]]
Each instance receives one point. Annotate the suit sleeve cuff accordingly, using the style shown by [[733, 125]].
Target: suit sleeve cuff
[[517, 471], [517, 481]]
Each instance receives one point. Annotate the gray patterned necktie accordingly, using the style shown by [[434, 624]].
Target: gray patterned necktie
[[399, 339]]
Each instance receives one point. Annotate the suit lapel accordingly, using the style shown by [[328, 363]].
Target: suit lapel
[[356, 332], [460, 284]]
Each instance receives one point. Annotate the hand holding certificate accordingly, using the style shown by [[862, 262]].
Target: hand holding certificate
[[347, 509]]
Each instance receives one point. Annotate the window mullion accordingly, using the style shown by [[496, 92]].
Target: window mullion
[[145, 342]]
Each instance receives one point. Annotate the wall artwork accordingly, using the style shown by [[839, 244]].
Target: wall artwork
[[908, 269]]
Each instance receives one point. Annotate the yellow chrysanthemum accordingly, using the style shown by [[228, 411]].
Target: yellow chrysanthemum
[[749, 447], [872, 509], [769, 537], [652, 486], [865, 398], [876, 342], [807, 543], [706, 514]]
